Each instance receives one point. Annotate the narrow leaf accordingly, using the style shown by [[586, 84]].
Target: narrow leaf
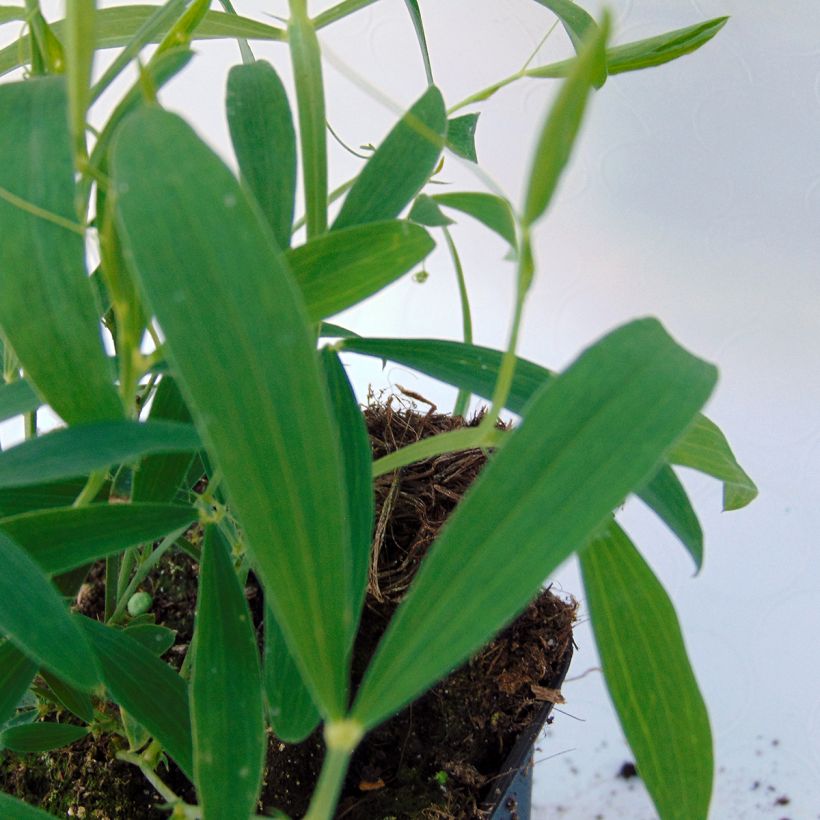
[[461, 136], [648, 675], [245, 359], [491, 210], [17, 500], [292, 712], [563, 123], [577, 22], [667, 497], [40, 737], [17, 398], [16, 674], [12, 807], [264, 141], [589, 438], [145, 687], [47, 312], [339, 269], [330, 330], [401, 165], [34, 617], [425, 211], [78, 703], [418, 25], [227, 711], [339, 11], [10, 13], [61, 539], [156, 639], [76, 451]]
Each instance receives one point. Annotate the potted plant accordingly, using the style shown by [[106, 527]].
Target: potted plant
[[215, 304]]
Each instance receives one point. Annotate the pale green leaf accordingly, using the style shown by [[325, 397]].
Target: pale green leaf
[[11, 13], [339, 11], [589, 438], [245, 359], [648, 676], [40, 737], [227, 711], [401, 165]]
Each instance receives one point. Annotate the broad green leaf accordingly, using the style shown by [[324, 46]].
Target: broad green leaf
[[491, 210], [264, 142], [647, 53], [156, 639], [61, 539], [16, 674], [34, 617], [40, 737], [667, 497], [291, 710], [461, 136], [47, 312], [425, 211], [577, 22], [341, 268], [227, 710], [245, 358], [80, 41], [357, 459], [17, 500], [418, 25], [76, 451], [17, 398], [589, 438], [648, 675], [306, 60], [12, 807], [117, 26], [563, 123], [159, 477], [78, 703], [704, 448], [146, 687], [401, 165]]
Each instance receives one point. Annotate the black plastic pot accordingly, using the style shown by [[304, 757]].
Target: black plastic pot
[[511, 795]]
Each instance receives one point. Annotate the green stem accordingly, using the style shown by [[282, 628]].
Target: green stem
[[342, 737], [92, 487], [30, 422], [463, 398], [112, 575]]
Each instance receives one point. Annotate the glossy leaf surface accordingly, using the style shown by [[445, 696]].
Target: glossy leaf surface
[[64, 538], [264, 141], [40, 737], [47, 312], [648, 675], [401, 165], [16, 674], [34, 617], [340, 269], [75, 451], [238, 337], [227, 712], [146, 687], [589, 438]]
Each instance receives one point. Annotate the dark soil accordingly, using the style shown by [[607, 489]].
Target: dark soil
[[438, 758]]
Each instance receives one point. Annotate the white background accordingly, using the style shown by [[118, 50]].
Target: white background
[[694, 196]]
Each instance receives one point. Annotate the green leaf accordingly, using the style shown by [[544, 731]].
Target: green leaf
[[340, 269], [147, 688], [16, 500], [339, 11], [667, 497], [306, 59], [61, 539], [47, 312], [245, 359], [401, 165], [418, 25], [357, 459], [80, 42], [589, 438], [461, 136], [704, 448], [577, 22], [563, 123], [264, 141], [34, 617], [156, 639], [10, 13], [159, 477], [16, 674], [648, 675], [78, 703], [491, 210], [76, 451], [425, 211], [227, 710], [12, 807], [292, 712], [40, 737], [17, 398], [118, 26], [330, 330]]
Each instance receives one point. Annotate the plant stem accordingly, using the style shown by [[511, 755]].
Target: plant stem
[[463, 398], [92, 487], [342, 737]]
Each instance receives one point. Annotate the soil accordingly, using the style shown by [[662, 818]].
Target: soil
[[437, 759]]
